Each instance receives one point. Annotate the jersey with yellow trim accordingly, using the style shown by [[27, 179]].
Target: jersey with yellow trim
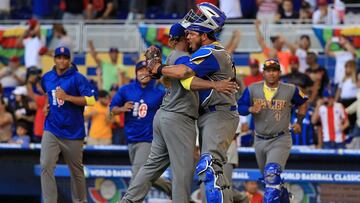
[[269, 92], [274, 116], [177, 98], [212, 62], [65, 119]]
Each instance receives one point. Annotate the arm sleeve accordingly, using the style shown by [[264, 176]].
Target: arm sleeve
[[299, 97], [182, 60], [204, 66], [42, 83], [118, 99], [244, 103], [84, 87]]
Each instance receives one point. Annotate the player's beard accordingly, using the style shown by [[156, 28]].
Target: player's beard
[[189, 49], [195, 46]]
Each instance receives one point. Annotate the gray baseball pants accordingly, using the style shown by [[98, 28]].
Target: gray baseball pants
[[217, 130], [173, 143], [72, 151], [275, 150], [139, 153]]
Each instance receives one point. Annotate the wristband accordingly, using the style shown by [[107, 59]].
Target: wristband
[[159, 70]]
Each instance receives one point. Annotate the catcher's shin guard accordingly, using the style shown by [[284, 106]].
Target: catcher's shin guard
[[209, 173], [274, 191]]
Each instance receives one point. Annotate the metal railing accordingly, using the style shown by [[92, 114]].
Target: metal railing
[[127, 37]]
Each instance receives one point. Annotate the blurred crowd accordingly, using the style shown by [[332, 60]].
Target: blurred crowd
[[304, 11], [331, 121]]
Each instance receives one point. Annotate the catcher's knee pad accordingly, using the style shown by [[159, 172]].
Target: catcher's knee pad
[[209, 174], [273, 183]]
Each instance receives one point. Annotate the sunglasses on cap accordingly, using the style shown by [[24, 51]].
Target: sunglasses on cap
[[269, 62], [272, 63]]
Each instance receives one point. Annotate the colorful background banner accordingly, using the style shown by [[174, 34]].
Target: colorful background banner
[[8, 42], [325, 33]]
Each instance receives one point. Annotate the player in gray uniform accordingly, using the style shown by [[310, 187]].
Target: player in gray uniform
[[270, 103], [218, 118], [174, 134]]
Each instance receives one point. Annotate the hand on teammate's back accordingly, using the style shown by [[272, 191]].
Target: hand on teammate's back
[[256, 108], [226, 86]]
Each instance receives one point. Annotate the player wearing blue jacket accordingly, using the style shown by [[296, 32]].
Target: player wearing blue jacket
[[140, 100], [68, 92]]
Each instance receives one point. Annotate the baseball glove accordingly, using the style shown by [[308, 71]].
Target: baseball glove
[[153, 60]]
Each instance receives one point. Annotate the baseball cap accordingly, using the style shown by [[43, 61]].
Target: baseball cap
[[14, 59], [328, 92], [272, 63], [113, 49], [139, 65], [32, 22], [176, 30], [33, 70], [114, 87], [322, 2], [253, 63], [62, 51], [294, 59]]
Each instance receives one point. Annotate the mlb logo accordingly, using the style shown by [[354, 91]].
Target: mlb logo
[[62, 50]]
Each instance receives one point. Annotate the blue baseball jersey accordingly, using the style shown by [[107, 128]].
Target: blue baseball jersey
[[138, 122], [203, 62], [65, 119]]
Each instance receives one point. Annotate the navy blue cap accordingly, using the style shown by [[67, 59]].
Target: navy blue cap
[[62, 51], [113, 49], [139, 65], [176, 30], [328, 92]]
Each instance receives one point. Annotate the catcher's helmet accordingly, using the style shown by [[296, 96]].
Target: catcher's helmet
[[207, 18]]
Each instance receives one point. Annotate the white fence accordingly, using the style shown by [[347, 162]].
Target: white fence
[[127, 37]]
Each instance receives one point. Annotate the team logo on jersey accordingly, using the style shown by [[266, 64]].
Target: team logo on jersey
[[60, 102], [143, 110], [275, 104]]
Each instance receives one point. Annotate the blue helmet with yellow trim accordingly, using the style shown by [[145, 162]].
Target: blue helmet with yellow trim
[[207, 18]]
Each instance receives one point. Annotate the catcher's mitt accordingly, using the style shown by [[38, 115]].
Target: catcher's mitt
[[153, 59]]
